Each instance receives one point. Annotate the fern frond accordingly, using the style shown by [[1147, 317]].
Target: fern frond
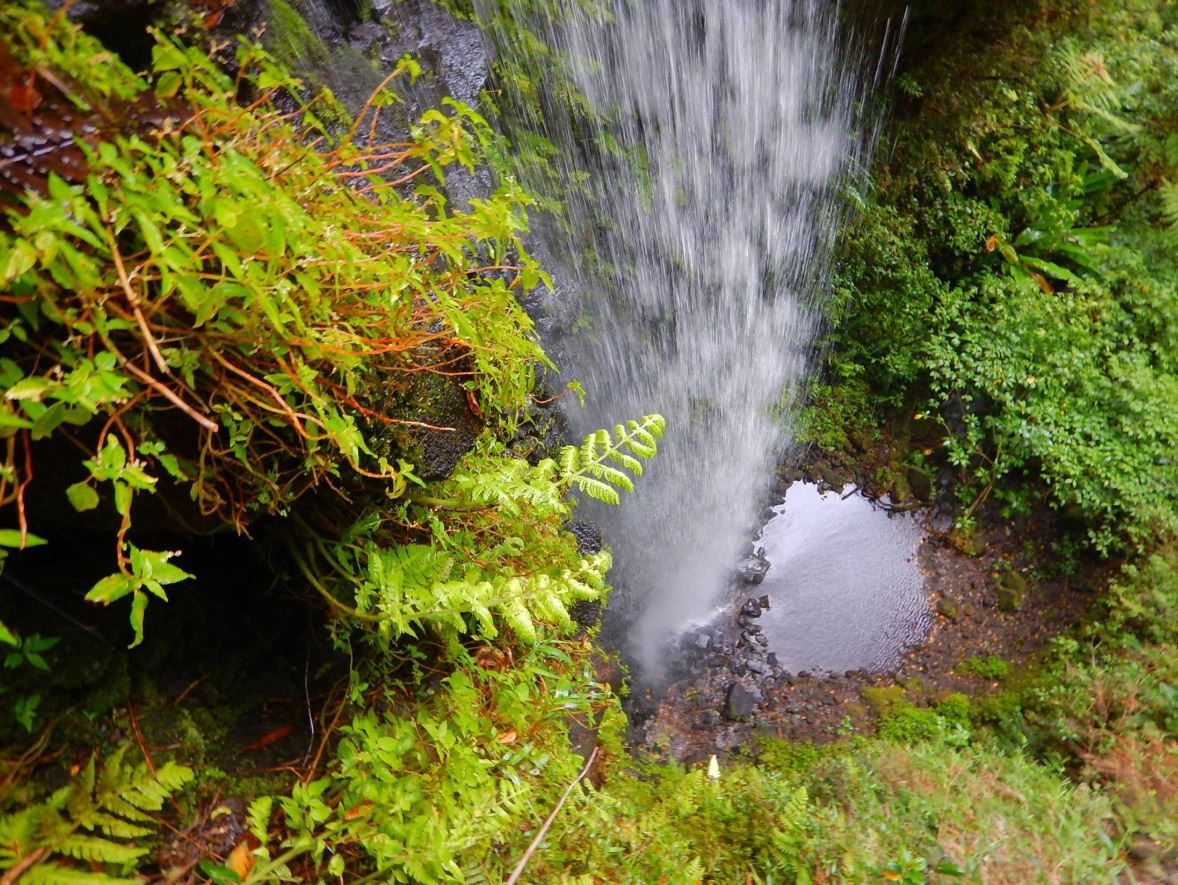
[[1169, 194], [597, 489], [52, 874], [98, 850], [113, 825], [586, 469]]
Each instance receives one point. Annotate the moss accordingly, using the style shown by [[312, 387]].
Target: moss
[[291, 40], [881, 698]]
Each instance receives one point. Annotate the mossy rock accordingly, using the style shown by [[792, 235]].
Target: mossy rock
[[1012, 590], [967, 541]]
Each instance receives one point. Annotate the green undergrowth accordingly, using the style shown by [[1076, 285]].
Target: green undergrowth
[[1011, 280]]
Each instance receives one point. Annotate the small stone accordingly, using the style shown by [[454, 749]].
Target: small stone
[[764, 601], [771, 659], [702, 641], [753, 629], [752, 570], [755, 666], [751, 609], [761, 640], [947, 608]]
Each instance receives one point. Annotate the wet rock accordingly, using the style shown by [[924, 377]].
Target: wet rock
[[587, 535], [751, 609], [1012, 588], [761, 640], [947, 608], [754, 629], [753, 569], [942, 522], [920, 484], [755, 666], [702, 641], [969, 542], [740, 702], [763, 601], [771, 659]]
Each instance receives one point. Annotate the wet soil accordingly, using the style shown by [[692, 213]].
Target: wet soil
[[700, 712]]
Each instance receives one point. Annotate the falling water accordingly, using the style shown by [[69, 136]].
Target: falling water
[[700, 193]]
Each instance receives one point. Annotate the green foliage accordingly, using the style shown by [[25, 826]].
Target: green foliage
[[1013, 274], [440, 782], [513, 513], [184, 310], [990, 667], [94, 820]]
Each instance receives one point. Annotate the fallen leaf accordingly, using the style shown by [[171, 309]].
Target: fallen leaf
[[240, 860], [23, 96], [268, 738], [357, 811], [506, 737]]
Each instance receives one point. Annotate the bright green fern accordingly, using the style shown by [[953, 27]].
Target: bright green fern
[[586, 468], [92, 820]]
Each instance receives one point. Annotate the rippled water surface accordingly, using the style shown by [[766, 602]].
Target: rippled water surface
[[845, 586]]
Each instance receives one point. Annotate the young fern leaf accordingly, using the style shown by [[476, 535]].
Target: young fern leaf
[[586, 470]]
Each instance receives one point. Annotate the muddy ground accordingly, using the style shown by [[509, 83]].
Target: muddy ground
[[726, 690]]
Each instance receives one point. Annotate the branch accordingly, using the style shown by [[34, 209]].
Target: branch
[[523, 861]]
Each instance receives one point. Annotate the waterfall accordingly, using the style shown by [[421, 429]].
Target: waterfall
[[701, 150]]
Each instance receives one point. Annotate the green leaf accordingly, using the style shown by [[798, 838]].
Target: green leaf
[[12, 538], [82, 496], [138, 607], [29, 388], [111, 588]]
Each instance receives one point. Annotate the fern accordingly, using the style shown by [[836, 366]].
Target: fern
[[1169, 195], [91, 820], [586, 468]]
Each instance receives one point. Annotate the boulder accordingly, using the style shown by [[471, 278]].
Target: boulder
[[740, 702]]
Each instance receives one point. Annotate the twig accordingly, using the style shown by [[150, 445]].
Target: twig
[[30, 860], [170, 395], [139, 738], [523, 861], [136, 309]]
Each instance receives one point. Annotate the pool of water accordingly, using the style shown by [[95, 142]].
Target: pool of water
[[844, 584]]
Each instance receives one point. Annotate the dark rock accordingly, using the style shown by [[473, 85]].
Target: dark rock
[[588, 536], [754, 629], [740, 702], [764, 602], [756, 666], [1012, 588], [771, 659], [920, 483], [761, 640], [753, 569], [751, 609], [947, 608]]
